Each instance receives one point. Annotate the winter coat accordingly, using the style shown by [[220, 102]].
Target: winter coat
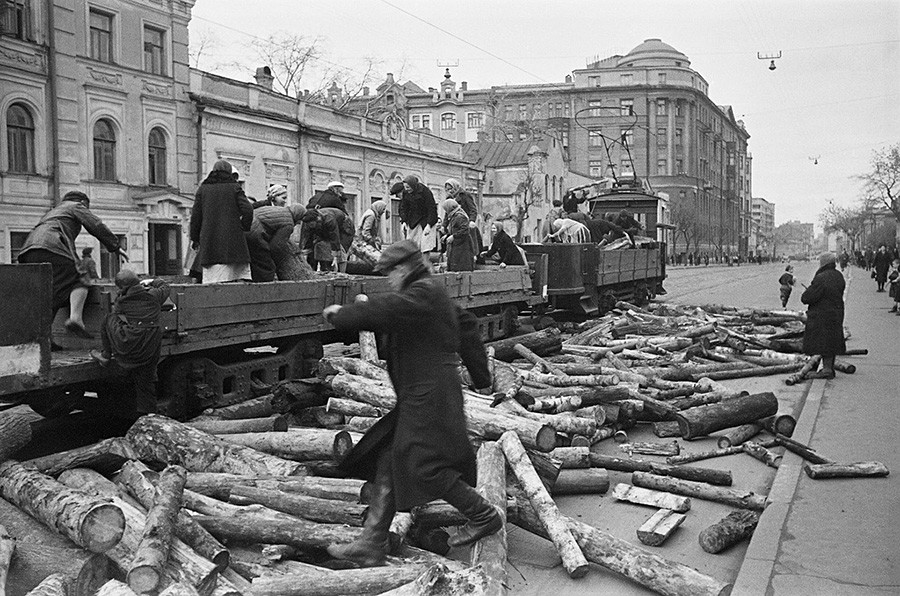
[[824, 332], [417, 207], [327, 198], [57, 230], [880, 263], [421, 332], [220, 216], [269, 222], [460, 250], [786, 280], [371, 224], [467, 202], [133, 325], [503, 246], [600, 229]]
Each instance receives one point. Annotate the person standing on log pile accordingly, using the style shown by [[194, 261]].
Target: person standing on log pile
[[824, 333], [460, 246], [272, 227], [880, 263], [418, 213], [220, 216], [467, 202], [420, 451], [131, 335], [787, 284], [53, 241]]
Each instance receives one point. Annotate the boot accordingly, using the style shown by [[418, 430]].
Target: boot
[[484, 519], [371, 548]]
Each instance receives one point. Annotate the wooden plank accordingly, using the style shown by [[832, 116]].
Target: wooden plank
[[659, 527], [652, 498]]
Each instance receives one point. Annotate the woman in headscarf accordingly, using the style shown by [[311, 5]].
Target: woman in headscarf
[[454, 191], [506, 251], [569, 231], [460, 246], [366, 245]]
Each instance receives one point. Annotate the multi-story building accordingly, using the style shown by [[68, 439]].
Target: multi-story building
[[647, 111], [93, 98], [762, 226]]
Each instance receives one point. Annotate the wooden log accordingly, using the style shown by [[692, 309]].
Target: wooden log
[[491, 424], [106, 456], [438, 580], [596, 413], [576, 368], [146, 570], [666, 429], [359, 424], [179, 589], [335, 365], [687, 372], [275, 422], [703, 420], [507, 381], [738, 435], [659, 527], [802, 450], [249, 526], [15, 433], [490, 551], [324, 511], [855, 470], [437, 514], [295, 395], [585, 481], [647, 569], [651, 498], [159, 439], [219, 485], [783, 424], [91, 522], [743, 500], [573, 381], [708, 475], [750, 372], [648, 448], [573, 560], [140, 481], [363, 390], [349, 407], [52, 585], [533, 358], [399, 529], [7, 548], [811, 365], [116, 588], [733, 528], [698, 330], [259, 407], [604, 395], [572, 457], [857, 352], [321, 417], [555, 405], [542, 343], [298, 444], [701, 455], [759, 452], [677, 392], [845, 368], [372, 580], [563, 423], [547, 468]]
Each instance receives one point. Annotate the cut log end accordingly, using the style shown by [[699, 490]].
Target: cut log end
[[143, 579], [103, 528]]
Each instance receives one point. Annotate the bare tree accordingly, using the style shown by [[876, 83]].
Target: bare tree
[[881, 184], [528, 194], [203, 42], [848, 220], [289, 56], [684, 218]]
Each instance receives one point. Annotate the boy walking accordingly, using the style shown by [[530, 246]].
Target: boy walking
[[787, 284]]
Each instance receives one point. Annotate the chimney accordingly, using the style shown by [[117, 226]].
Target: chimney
[[366, 91], [568, 78], [264, 77], [464, 86]]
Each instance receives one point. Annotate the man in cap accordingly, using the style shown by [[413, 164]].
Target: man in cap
[[824, 332], [419, 451], [418, 213], [332, 196], [53, 241]]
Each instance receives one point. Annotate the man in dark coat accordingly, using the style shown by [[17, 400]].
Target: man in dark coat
[[418, 212], [881, 262], [221, 215], [53, 241], [329, 233], [271, 229], [824, 333], [332, 196], [420, 451], [506, 251], [132, 336]]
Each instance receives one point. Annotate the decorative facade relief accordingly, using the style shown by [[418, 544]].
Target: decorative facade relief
[[36, 61], [252, 131], [110, 78], [154, 88]]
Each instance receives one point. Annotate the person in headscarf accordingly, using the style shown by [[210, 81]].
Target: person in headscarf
[[369, 230], [824, 331], [418, 213], [276, 196], [467, 202], [569, 231], [269, 233], [503, 250], [460, 246]]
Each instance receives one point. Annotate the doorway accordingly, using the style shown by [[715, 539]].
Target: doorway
[[165, 249]]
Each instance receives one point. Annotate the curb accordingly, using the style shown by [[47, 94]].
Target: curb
[[755, 575]]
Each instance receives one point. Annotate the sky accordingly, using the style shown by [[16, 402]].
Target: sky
[[833, 98]]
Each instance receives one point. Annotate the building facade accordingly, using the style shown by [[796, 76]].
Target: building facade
[[647, 111], [93, 98], [762, 227]]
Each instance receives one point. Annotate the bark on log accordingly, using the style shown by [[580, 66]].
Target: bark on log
[[289, 263], [588, 481], [802, 450], [7, 548], [359, 424], [574, 381], [219, 485], [491, 424], [647, 448], [349, 407], [700, 490], [507, 381], [533, 358], [146, 569], [52, 585], [140, 481], [738, 435], [572, 457], [573, 560], [701, 455], [373, 580], [659, 527], [335, 365], [651, 498], [556, 405], [299, 444], [106, 456], [15, 433], [259, 407], [845, 368], [759, 452], [667, 429], [542, 343], [364, 390], [708, 475], [248, 526], [294, 395], [324, 511], [782, 424], [160, 439], [675, 393], [437, 514], [647, 569], [855, 470], [592, 396], [490, 551], [179, 589], [703, 420], [322, 417], [437, 580], [563, 423], [275, 422], [92, 522], [750, 372], [798, 377], [116, 588], [733, 528], [698, 330]]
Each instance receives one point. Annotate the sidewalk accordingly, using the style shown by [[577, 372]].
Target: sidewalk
[[841, 536]]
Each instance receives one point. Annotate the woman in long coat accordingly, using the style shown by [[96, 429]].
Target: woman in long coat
[[503, 247], [460, 246], [420, 451], [824, 333]]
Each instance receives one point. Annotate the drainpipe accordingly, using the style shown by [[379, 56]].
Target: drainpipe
[[199, 143], [54, 99]]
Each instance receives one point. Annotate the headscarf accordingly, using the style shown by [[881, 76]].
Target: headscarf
[[454, 185], [498, 225], [378, 208], [397, 189], [297, 212], [277, 191], [449, 206]]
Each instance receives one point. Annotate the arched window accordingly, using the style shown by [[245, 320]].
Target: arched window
[[156, 146], [448, 121], [104, 151], [20, 139]]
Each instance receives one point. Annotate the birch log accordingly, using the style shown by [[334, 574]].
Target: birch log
[[7, 548], [52, 585], [324, 511], [708, 475], [854, 470], [733, 528], [299, 444], [276, 422], [105, 456], [373, 580], [115, 588], [735, 498], [219, 485], [659, 527], [248, 526], [490, 551], [651, 498]]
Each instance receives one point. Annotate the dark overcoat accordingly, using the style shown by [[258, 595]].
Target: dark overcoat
[[327, 198], [504, 247], [133, 325], [461, 250], [422, 332], [824, 332], [881, 262], [221, 215], [417, 207]]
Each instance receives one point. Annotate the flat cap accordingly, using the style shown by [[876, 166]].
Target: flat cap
[[397, 253]]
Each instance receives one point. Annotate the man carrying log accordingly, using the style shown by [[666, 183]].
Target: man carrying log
[[824, 334], [420, 451]]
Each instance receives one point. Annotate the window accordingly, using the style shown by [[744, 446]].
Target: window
[[678, 137], [16, 242], [15, 18], [627, 137], [154, 52], [661, 137], [565, 139], [419, 121], [448, 121], [679, 166], [104, 151], [595, 168], [595, 139], [156, 146], [20, 139], [101, 36], [109, 262], [662, 78], [475, 120], [595, 105], [566, 109], [625, 165], [678, 108], [523, 111], [559, 109], [661, 107], [661, 167], [627, 79], [507, 113], [626, 107], [536, 111]]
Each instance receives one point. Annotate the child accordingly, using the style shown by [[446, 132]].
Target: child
[[787, 284], [894, 289]]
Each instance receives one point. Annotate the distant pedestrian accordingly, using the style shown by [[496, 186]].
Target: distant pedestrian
[[894, 288], [786, 281], [87, 264], [824, 332], [844, 259], [881, 262]]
